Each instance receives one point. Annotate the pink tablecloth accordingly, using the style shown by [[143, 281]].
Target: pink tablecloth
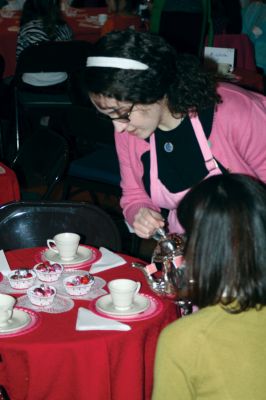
[[55, 362], [9, 187]]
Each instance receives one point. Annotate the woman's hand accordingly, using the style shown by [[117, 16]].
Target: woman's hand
[[146, 222]]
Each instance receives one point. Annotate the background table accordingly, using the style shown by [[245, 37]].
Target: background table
[[83, 22], [8, 32], [55, 362], [9, 186]]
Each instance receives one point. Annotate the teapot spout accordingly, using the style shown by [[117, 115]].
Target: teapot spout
[[156, 285]]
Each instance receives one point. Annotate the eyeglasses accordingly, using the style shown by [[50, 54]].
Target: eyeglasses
[[124, 118]]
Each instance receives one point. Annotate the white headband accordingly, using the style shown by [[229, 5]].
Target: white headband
[[115, 62]]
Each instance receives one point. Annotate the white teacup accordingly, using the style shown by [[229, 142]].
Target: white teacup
[[102, 18], [6, 13], [6, 308], [65, 244], [122, 292]]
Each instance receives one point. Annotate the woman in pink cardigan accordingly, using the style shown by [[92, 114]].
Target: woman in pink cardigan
[[174, 126]]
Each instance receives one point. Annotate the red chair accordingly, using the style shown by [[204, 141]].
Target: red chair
[[9, 186], [245, 56]]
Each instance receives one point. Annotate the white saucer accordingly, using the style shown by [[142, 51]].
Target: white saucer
[[105, 305], [19, 320], [83, 254]]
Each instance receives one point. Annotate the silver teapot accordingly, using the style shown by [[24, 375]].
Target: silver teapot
[[166, 273]]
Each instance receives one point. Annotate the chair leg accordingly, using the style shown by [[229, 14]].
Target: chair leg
[[1, 141], [16, 119]]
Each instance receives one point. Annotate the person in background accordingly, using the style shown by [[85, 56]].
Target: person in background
[[219, 352], [14, 5], [41, 21], [174, 126], [244, 3], [254, 25]]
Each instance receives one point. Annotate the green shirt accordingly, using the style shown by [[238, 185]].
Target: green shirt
[[212, 355]]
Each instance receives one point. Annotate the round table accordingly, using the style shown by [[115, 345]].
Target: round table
[[56, 362]]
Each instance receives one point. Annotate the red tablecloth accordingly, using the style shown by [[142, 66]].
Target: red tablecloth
[[82, 27], [55, 362], [8, 33], [9, 187]]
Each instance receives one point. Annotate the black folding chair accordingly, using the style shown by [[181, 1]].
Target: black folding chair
[[61, 56], [40, 163], [30, 224]]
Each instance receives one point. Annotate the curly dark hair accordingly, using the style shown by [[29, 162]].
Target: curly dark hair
[[48, 11], [180, 78]]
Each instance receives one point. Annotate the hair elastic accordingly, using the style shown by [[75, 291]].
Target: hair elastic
[[115, 62]]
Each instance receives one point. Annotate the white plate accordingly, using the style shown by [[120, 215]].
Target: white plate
[[19, 319], [83, 254], [105, 305]]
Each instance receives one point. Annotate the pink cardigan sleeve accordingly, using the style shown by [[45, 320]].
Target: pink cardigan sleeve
[[134, 196], [238, 138]]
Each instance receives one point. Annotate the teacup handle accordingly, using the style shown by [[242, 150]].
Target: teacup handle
[[10, 313], [138, 288], [53, 248]]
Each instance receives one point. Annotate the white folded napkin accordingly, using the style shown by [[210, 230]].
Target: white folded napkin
[[88, 321], [4, 266], [107, 261]]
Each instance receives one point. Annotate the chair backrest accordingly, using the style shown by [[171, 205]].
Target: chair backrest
[[66, 56], [88, 3], [245, 56], [41, 161], [2, 66], [30, 224], [48, 57]]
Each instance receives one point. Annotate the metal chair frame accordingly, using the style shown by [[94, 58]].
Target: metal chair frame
[[30, 224]]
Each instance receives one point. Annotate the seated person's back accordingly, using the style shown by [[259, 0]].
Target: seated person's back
[[12, 4], [254, 25], [41, 21], [219, 352]]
